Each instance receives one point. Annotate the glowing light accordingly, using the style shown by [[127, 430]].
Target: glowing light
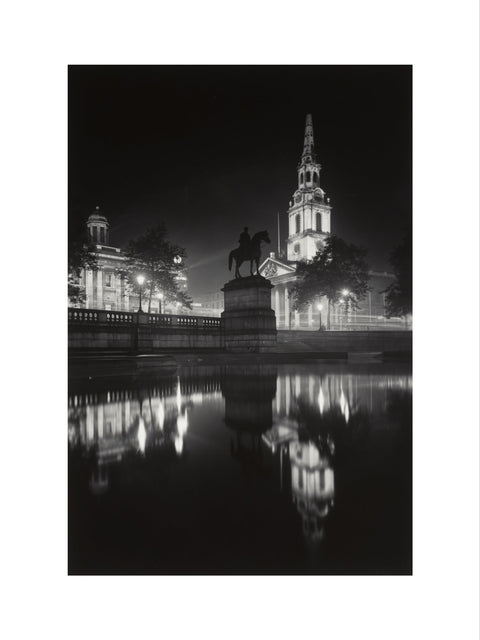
[[321, 401], [161, 415], [319, 307], [140, 279], [345, 292], [179, 444], [179, 396], [141, 435], [344, 408], [182, 424]]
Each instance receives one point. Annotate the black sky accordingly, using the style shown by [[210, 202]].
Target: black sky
[[209, 150]]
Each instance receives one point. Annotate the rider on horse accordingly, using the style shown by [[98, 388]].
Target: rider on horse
[[244, 241]]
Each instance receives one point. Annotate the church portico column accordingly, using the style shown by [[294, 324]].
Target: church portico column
[[276, 305], [287, 309]]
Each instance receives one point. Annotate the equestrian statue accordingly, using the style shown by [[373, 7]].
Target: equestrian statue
[[249, 250]]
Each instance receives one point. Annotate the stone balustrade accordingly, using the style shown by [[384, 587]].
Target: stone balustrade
[[97, 329], [99, 316]]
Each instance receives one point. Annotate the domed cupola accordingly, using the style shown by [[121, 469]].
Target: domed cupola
[[98, 227]]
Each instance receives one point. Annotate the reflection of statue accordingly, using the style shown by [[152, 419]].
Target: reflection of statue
[[248, 250], [248, 393]]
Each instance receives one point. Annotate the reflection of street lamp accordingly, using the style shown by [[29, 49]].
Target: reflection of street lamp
[[140, 280], [160, 298], [320, 307]]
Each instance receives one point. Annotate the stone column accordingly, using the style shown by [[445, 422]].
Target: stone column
[[99, 289], [287, 309], [276, 306], [89, 288], [310, 316], [296, 319]]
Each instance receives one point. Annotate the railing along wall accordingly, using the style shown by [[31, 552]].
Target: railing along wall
[[120, 318]]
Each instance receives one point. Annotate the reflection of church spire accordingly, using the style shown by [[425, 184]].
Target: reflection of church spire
[[313, 487]]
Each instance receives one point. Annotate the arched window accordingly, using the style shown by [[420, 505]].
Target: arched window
[[297, 223], [301, 178], [318, 225], [309, 177], [102, 235], [94, 233], [315, 176]]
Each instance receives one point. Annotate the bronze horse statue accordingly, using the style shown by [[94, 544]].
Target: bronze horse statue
[[253, 254]]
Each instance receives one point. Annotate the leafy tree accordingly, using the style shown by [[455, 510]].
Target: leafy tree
[[398, 296], [153, 256], [338, 266], [81, 255]]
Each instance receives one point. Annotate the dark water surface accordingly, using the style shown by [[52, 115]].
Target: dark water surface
[[243, 469]]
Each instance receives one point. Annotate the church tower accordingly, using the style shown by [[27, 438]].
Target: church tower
[[309, 212]]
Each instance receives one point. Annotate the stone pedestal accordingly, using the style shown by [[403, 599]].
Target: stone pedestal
[[248, 320]]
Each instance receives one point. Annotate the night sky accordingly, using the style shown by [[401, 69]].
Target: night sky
[[209, 150]]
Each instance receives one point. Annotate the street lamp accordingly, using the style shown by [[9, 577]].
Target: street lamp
[[160, 298], [320, 307], [140, 280]]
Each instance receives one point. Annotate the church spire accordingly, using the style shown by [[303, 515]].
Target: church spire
[[308, 154]]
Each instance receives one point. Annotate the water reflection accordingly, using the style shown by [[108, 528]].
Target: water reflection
[[303, 427]]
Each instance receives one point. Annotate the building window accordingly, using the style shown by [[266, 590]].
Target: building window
[[102, 235], [301, 178], [318, 225], [308, 176], [94, 233], [108, 280], [296, 247], [315, 176], [297, 224]]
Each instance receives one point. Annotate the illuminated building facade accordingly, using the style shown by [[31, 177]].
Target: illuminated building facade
[[104, 287], [309, 224]]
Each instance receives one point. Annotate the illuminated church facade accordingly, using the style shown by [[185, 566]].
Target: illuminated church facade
[[309, 224]]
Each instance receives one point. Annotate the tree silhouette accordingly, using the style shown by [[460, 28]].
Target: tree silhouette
[[338, 266], [398, 295], [160, 261]]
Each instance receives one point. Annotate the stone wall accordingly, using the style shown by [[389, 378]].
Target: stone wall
[[348, 341], [90, 330]]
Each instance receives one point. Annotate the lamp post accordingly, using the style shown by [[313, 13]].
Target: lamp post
[[320, 307], [140, 280], [160, 298]]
